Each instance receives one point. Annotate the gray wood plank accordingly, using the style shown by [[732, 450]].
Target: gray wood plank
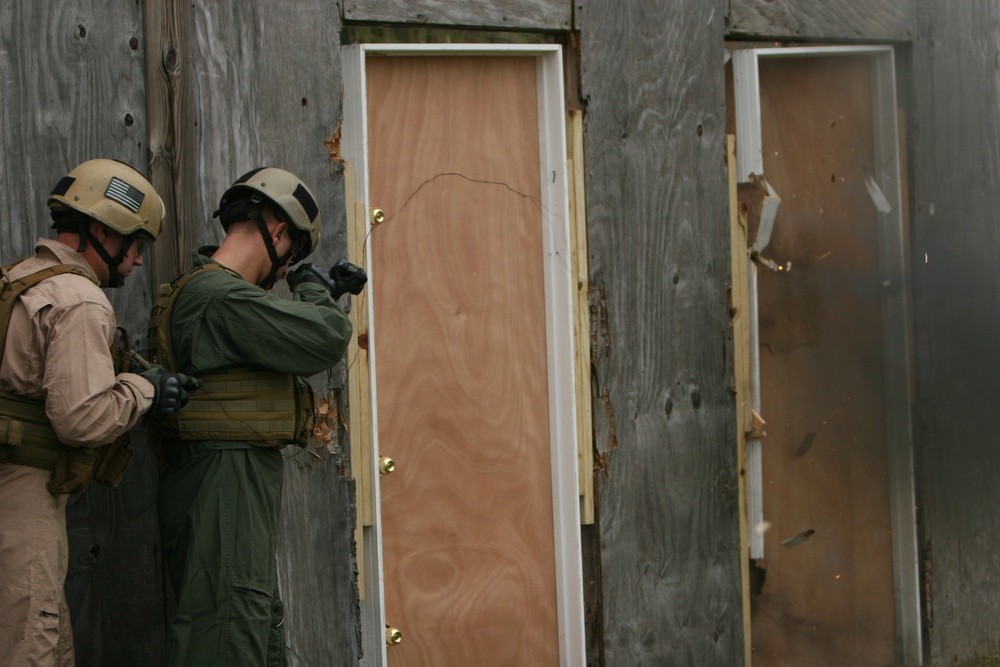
[[266, 90], [72, 89], [668, 512], [955, 158], [823, 19], [317, 516], [171, 130], [510, 14]]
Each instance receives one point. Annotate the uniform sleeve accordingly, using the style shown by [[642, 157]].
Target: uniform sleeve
[[86, 402], [303, 336]]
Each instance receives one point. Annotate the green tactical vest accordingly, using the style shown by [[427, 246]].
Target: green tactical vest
[[26, 434], [236, 404]]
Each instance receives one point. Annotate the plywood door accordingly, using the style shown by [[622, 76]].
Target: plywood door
[[826, 599], [460, 353]]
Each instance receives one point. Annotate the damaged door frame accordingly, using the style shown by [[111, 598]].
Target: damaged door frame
[[559, 315], [895, 317]]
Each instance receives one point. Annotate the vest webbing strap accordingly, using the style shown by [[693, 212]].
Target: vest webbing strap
[[26, 434], [13, 288], [236, 404], [245, 404], [161, 349], [23, 423]]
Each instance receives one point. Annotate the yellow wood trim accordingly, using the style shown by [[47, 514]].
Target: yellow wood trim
[[739, 303], [365, 413], [581, 313], [358, 380]]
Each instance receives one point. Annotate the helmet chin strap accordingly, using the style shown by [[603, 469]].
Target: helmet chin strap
[[115, 279], [272, 253], [252, 208], [79, 224]]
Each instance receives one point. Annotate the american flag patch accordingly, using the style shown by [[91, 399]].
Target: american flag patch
[[123, 193]]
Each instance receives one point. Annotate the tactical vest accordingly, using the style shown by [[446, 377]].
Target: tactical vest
[[26, 434], [249, 404]]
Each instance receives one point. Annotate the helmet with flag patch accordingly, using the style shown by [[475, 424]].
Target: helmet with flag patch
[[112, 193]]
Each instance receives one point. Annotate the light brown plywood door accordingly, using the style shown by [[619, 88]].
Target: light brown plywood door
[[460, 360], [827, 595]]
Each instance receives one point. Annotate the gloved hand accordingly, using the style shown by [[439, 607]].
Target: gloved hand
[[343, 277], [171, 390], [348, 278], [309, 273]]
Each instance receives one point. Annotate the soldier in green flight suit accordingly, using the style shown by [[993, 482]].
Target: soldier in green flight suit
[[220, 493]]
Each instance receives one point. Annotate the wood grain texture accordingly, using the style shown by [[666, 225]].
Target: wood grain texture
[[171, 131], [460, 357], [71, 84], [829, 599], [72, 90], [739, 308], [823, 19], [955, 155], [266, 89], [511, 14], [664, 413], [581, 313]]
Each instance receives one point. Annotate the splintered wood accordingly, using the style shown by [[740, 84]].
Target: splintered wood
[[325, 430]]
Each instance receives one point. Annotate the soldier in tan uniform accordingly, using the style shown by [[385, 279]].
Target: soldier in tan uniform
[[64, 405]]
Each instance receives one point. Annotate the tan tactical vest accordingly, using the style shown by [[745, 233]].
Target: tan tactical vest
[[26, 434], [248, 404]]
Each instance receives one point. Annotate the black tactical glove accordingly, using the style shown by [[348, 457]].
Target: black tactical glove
[[309, 273], [171, 390], [348, 278], [343, 277]]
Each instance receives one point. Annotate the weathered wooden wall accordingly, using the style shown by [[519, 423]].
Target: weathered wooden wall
[[823, 20], [950, 92], [663, 568], [504, 14], [72, 89], [653, 77], [955, 158]]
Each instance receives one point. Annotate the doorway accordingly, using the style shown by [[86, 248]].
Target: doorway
[[834, 551], [473, 553]]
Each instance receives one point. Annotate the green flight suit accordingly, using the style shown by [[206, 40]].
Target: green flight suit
[[219, 500]]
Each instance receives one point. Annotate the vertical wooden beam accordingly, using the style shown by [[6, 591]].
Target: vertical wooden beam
[[171, 130], [659, 269], [581, 313], [358, 379], [739, 308], [363, 413]]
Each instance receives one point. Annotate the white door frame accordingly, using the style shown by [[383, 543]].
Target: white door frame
[[895, 316], [559, 294]]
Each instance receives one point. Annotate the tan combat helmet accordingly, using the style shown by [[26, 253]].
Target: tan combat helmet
[[282, 189], [112, 193]]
